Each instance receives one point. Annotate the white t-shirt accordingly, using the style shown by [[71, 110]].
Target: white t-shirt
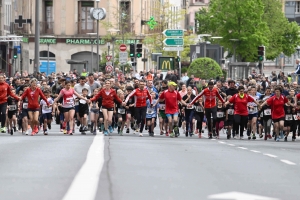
[[45, 108]]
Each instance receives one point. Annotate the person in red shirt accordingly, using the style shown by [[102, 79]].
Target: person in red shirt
[[171, 98], [276, 103], [5, 91], [141, 94], [33, 93], [210, 106], [240, 102], [108, 96]]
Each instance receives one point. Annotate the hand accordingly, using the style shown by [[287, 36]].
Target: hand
[[123, 104], [151, 106], [87, 100], [20, 98]]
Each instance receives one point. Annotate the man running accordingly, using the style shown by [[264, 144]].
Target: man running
[[210, 95], [171, 98]]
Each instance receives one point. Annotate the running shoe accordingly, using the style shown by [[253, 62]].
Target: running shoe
[[105, 133], [293, 139], [83, 133], [11, 132], [199, 135], [69, 132], [266, 137], [65, 131], [15, 129], [110, 129], [127, 131], [32, 133], [209, 136], [85, 128], [49, 126], [172, 134], [167, 134], [242, 137], [45, 132], [36, 129], [141, 134], [281, 135], [277, 139], [3, 130], [261, 136], [285, 139], [269, 136], [253, 136], [121, 133], [78, 123], [26, 133], [81, 129]]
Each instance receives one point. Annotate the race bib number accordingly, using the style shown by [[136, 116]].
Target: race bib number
[[94, 106], [70, 101], [253, 109], [298, 114], [12, 107], [25, 105], [199, 109], [261, 114], [267, 112], [220, 114], [288, 117], [82, 101], [150, 111], [76, 103], [121, 111], [295, 117], [162, 106], [230, 111]]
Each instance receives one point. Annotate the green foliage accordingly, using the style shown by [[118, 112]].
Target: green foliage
[[184, 70], [205, 68], [253, 23]]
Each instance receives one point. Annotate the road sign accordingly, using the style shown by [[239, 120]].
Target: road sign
[[173, 33], [173, 41], [173, 48], [108, 58], [123, 57], [123, 47], [108, 63], [109, 68], [239, 196]]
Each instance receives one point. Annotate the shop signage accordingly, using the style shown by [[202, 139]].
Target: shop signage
[[48, 41], [83, 41]]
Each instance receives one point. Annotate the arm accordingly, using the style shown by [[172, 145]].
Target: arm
[[117, 98], [129, 96], [97, 96], [43, 97], [219, 96], [58, 97], [149, 97], [24, 95], [11, 94], [197, 97]]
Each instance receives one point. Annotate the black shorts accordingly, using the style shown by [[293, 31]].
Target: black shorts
[[68, 109], [150, 119], [24, 113], [33, 110], [47, 116], [130, 111], [279, 119], [123, 116], [10, 114], [108, 109], [229, 122], [83, 112], [288, 123], [101, 115]]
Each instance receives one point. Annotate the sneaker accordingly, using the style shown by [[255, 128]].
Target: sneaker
[[45, 132], [261, 136], [141, 135], [81, 129], [61, 130], [214, 132], [210, 136], [65, 131], [105, 133], [36, 129], [249, 137], [281, 135], [83, 133], [253, 136], [32, 133], [121, 133], [293, 139], [277, 139], [78, 123], [199, 135], [127, 131], [167, 134], [26, 133], [3, 130], [85, 128], [285, 139], [242, 137], [110, 129], [266, 137], [69, 132], [11, 132], [15, 129], [49, 126], [172, 134]]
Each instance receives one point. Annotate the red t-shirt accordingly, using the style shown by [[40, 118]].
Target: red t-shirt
[[171, 100], [240, 104], [277, 106]]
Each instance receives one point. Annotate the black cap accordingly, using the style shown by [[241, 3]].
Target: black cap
[[91, 74]]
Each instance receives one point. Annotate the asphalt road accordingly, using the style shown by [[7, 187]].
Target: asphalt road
[[129, 167]]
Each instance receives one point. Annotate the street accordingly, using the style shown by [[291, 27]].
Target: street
[[129, 167]]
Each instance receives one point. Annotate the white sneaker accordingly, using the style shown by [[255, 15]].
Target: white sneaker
[[141, 134], [26, 133]]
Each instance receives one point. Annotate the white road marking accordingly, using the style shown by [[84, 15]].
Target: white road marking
[[222, 142], [242, 148], [288, 162], [231, 145], [255, 151], [213, 139], [85, 183], [239, 196], [270, 155]]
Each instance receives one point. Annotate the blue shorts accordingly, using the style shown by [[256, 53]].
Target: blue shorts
[[77, 108], [172, 115], [47, 116], [251, 116]]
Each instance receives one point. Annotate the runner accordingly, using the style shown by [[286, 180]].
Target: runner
[[171, 98], [210, 95], [5, 91], [108, 96], [141, 94], [33, 93], [68, 105], [46, 112]]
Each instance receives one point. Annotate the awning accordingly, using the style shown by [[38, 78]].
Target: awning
[[77, 61]]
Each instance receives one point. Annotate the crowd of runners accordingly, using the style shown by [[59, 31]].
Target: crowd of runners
[[256, 108]]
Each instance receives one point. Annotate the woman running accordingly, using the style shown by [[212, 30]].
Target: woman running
[[32, 94], [68, 105], [240, 102], [108, 96]]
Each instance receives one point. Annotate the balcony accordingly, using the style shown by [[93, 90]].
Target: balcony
[[14, 28], [46, 28]]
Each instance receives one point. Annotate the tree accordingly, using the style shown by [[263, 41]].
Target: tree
[[205, 68]]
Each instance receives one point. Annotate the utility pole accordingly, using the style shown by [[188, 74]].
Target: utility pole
[[97, 39], [37, 37]]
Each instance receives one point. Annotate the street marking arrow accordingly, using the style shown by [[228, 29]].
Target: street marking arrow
[[239, 196]]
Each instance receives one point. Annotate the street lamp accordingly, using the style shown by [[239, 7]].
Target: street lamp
[[108, 48], [92, 51], [113, 33], [48, 44], [234, 47]]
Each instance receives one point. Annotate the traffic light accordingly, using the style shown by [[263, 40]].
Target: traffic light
[[261, 53], [132, 51], [178, 59], [139, 50], [15, 53]]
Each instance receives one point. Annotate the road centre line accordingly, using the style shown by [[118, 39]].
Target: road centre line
[[288, 162], [255, 151], [242, 148], [270, 155]]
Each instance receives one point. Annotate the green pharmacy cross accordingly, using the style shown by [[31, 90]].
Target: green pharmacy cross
[[151, 23]]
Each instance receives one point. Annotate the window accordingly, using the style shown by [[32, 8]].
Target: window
[[297, 7], [125, 16], [48, 24], [85, 22], [199, 1]]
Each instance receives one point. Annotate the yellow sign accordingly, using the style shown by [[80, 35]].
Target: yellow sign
[[166, 65]]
